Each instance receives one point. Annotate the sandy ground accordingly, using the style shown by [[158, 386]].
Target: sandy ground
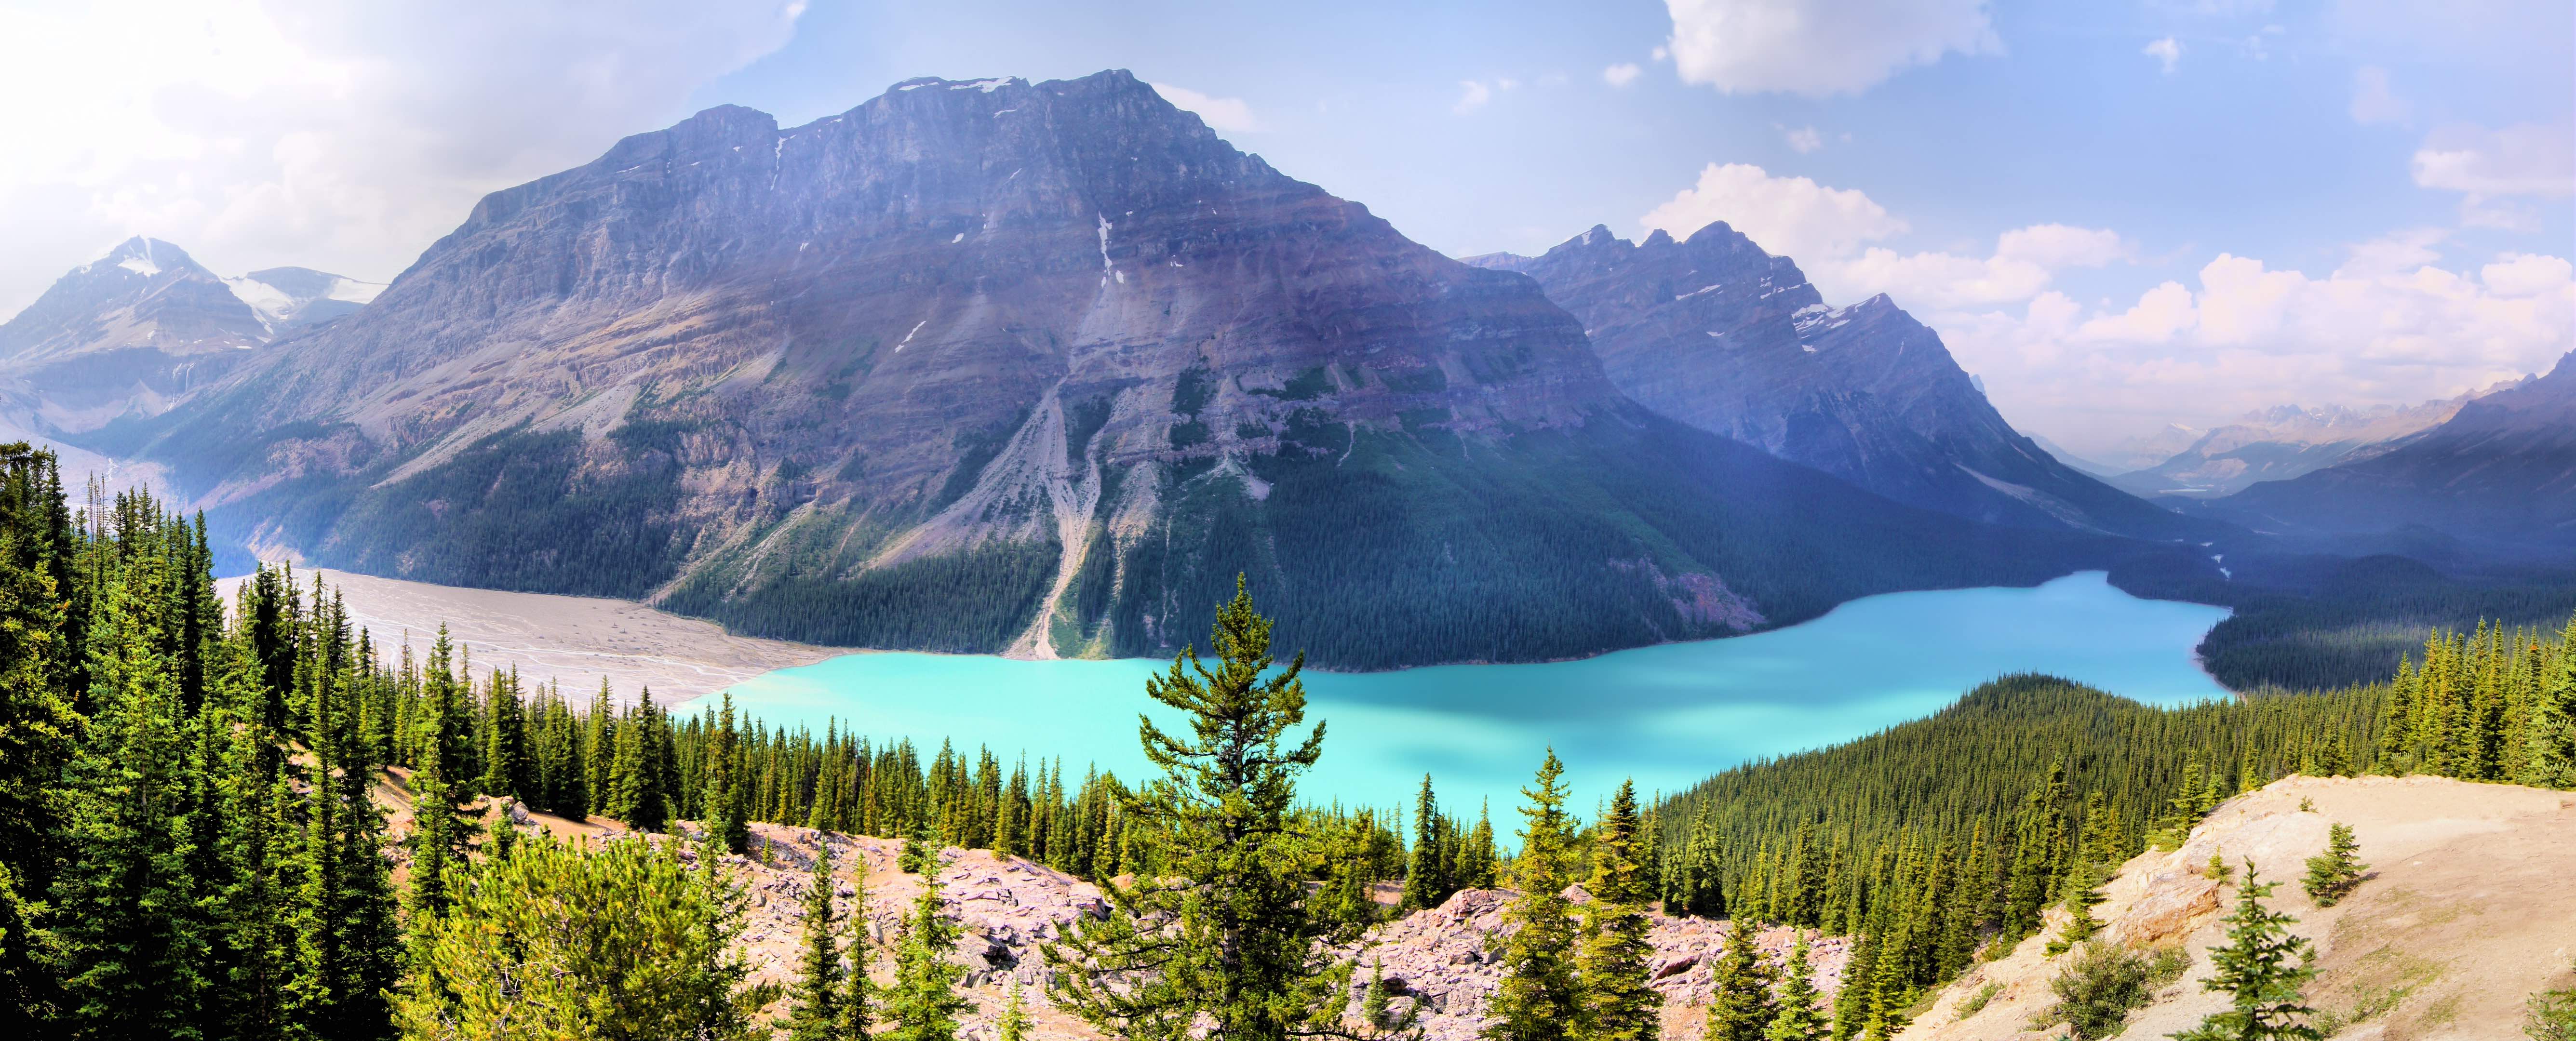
[[2468, 909], [576, 640]]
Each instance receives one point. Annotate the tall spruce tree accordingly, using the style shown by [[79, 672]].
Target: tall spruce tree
[[1801, 1015], [1540, 996], [1219, 931], [817, 1015], [1425, 881], [1741, 1006], [924, 1003], [1617, 1003]]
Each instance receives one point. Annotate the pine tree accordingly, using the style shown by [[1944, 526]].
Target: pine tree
[[1013, 1025], [1476, 856], [1219, 929], [2333, 873], [1539, 998], [1617, 1003], [2254, 970], [818, 989], [1424, 885], [920, 855], [924, 1004], [638, 796], [727, 813], [1741, 1006], [1802, 1014]]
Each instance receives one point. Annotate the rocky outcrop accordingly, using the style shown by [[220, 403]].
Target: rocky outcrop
[[1718, 333], [2463, 914]]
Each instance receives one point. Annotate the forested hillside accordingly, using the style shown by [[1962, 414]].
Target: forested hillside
[[193, 841]]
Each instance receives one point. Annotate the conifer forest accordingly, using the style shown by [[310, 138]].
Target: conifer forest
[[194, 840]]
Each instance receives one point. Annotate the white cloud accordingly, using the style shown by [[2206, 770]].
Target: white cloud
[[1786, 215], [2025, 261], [1622, 74], [1472, 95], [1820, 47], [1804, 139], [2373, 101], [327, 135], [2517, 160], [2165, 50], [2387, 327], [1229, 114]]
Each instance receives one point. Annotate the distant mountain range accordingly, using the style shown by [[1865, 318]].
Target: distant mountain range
[[1719, 334], [991, 365], [143, 327], [2283, 442], [2501, 471]]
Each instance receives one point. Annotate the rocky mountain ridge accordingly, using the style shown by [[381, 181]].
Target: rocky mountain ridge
[[1716, 332], [141, 329], [987, 365], [2283, 442], [2500, 471]]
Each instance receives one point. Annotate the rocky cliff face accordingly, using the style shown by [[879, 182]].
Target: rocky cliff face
[[1717, 333], [2502, 471], [143, 328], [995, 365]]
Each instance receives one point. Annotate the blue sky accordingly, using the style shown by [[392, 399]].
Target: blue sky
[[2119, 213]]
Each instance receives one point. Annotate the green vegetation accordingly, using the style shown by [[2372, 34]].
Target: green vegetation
[[2333, 873], [2254, 970], [525, 951]]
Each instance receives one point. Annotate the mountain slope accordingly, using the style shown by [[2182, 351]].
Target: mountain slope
[[1717, 333], [985, 365], [143, 327], [2502, 470], [2277, 444]]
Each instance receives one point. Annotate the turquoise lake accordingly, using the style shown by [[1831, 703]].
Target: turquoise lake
[[1667, 715]]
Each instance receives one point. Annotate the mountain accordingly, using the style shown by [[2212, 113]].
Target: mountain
[[2071, 458], [2501, 470], [2282, 442], [144, 326], [990, 364], [1719, 334], [288, 299]]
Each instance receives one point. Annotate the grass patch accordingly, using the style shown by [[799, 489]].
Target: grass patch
[[1978, 1001]]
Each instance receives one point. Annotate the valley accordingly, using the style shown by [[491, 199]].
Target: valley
[[1009, 559]]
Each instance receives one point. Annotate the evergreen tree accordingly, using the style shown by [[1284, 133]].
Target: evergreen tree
[[1424, 884], [1219, 930], [626, 942], [1540, 998], [727, 811], [920, 855], [1802, 1014], [817, 1015], [1476, 856], [637, 796], [2254, 970], [924, 1003], [125, 946], [2333, 873], [1617, 1003], [1741, 1006], [1013, 1025]]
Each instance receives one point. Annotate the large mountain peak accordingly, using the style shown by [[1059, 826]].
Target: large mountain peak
[[1717, 332], [989, 363]]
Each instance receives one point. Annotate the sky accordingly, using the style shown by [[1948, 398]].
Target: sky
[[2119, 214]]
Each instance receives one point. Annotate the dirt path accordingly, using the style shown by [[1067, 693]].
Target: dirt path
[[576, 640]]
